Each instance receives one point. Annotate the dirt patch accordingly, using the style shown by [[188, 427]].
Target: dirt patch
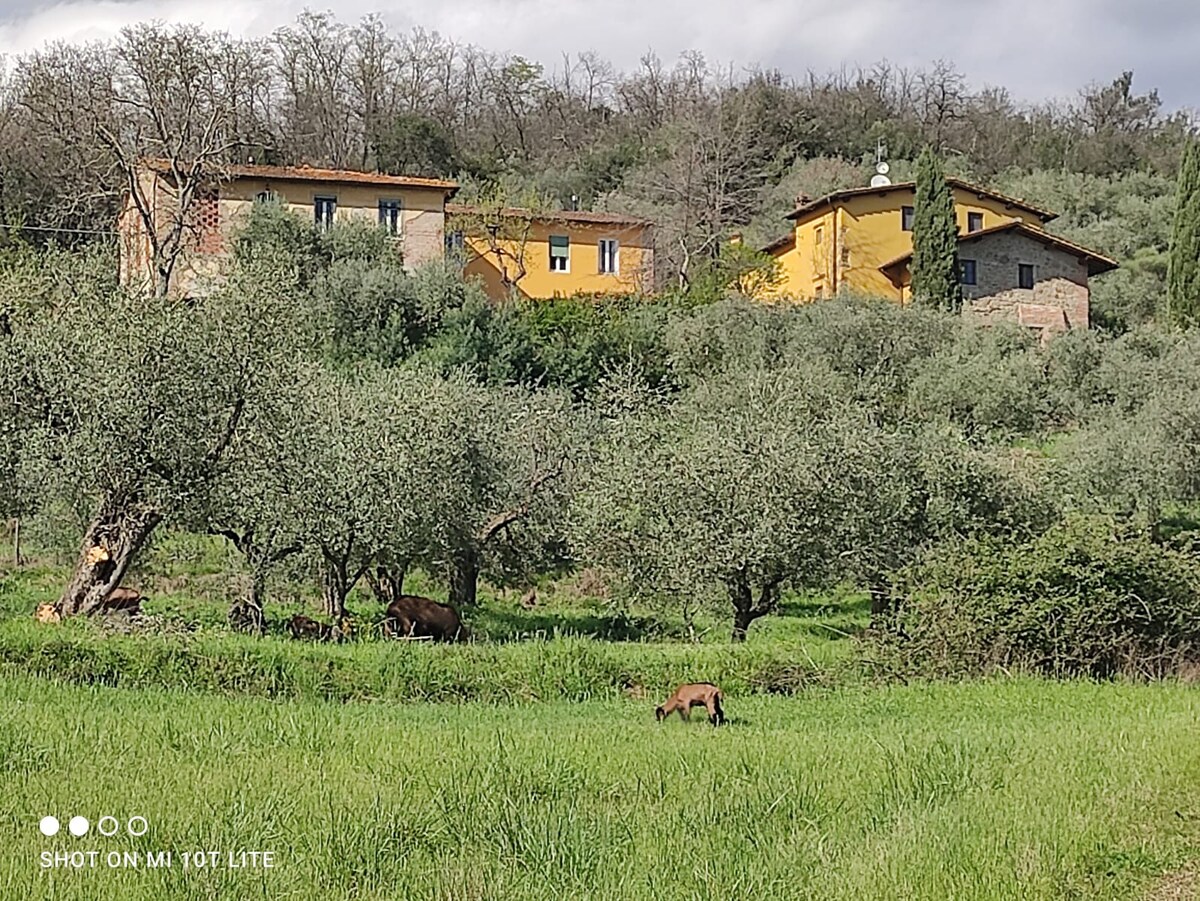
[[1178, 885]]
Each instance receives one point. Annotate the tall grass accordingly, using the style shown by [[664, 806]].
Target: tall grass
[[987, 790], [573, 669]]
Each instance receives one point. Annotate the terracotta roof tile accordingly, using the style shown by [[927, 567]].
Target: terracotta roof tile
[[588, 216], [312, 173], [1097, 262], [829, 199]]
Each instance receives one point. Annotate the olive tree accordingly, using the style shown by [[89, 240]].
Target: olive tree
[[355, 490], [139, 399], [749, 483], [252, 502], [405, 467], [494, 470]]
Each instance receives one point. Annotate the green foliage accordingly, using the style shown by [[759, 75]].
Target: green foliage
[[935, 276], [1183, 279], [135, 397], [415, 144], [569, 343], [991, 383], [1087, 597], [759, 480], [737, 267], [877, 347]]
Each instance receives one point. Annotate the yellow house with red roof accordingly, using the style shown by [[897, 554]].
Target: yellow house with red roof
[[859, 241]]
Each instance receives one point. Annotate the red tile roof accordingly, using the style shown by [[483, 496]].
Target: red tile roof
[[311, 173], [784, 243], [830, 199], [1097, 263], [587, 216]]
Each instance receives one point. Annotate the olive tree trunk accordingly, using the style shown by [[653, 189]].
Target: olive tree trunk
[[387, 583], [246, 613], [745, 610], [464, 577], [111, 542], [335, 586]]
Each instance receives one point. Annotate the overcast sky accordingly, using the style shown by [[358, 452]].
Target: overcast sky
[[1036, 48]]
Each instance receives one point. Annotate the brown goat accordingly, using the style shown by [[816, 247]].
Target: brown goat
[[412, 616], [304, 627], [119, 600], [693, 694], [125, 600]]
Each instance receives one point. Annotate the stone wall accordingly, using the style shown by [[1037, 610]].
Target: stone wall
[[1058, 300]]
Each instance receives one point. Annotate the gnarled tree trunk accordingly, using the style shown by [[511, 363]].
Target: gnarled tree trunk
[[464, 577], [335, 586], [745, 610], [246, 613], [114, 537], [387, 582]]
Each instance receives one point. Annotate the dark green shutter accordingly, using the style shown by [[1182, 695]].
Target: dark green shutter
[[559, 246]]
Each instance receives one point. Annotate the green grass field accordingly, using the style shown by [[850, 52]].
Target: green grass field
[[1015, 789], [529, 765]]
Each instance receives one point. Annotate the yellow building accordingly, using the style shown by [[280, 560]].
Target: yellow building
[[411, 209], [839, 242], [859, 241], [559, 253]]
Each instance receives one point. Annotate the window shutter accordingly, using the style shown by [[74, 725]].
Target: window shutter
[[559, 245]]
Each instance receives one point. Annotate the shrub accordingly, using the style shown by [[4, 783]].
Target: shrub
[[1087, 597]]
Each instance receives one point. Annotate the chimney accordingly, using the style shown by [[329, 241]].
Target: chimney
[[802, 199]]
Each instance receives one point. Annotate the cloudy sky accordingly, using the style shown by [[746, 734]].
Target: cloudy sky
[[1036, 48]]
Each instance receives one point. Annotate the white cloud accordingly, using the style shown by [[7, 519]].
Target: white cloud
[[1036, 48]]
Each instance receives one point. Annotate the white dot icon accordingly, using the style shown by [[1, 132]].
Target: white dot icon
[[49, 826], [78, 826]]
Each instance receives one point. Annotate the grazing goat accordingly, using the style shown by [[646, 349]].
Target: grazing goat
[[412, 616], [304, 627], [693, 694]]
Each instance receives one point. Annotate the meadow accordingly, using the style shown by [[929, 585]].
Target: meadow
[[528, 764], [986, 790]]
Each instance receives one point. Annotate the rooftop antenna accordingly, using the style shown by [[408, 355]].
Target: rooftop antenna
[[880, 178]]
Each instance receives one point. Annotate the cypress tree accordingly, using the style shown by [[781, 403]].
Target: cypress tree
[[1183, 272], [934, 268]]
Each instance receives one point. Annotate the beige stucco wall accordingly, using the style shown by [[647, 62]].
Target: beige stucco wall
[[422, 223], [422, 210]]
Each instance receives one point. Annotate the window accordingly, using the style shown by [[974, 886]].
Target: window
[[267, 197], [819, 292], [820, 235], [454, 244], [323, 210], [974, 222], [1025, 275], [389, 216], [967, 272], [906, 218], [609, 250], [560, 253]]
